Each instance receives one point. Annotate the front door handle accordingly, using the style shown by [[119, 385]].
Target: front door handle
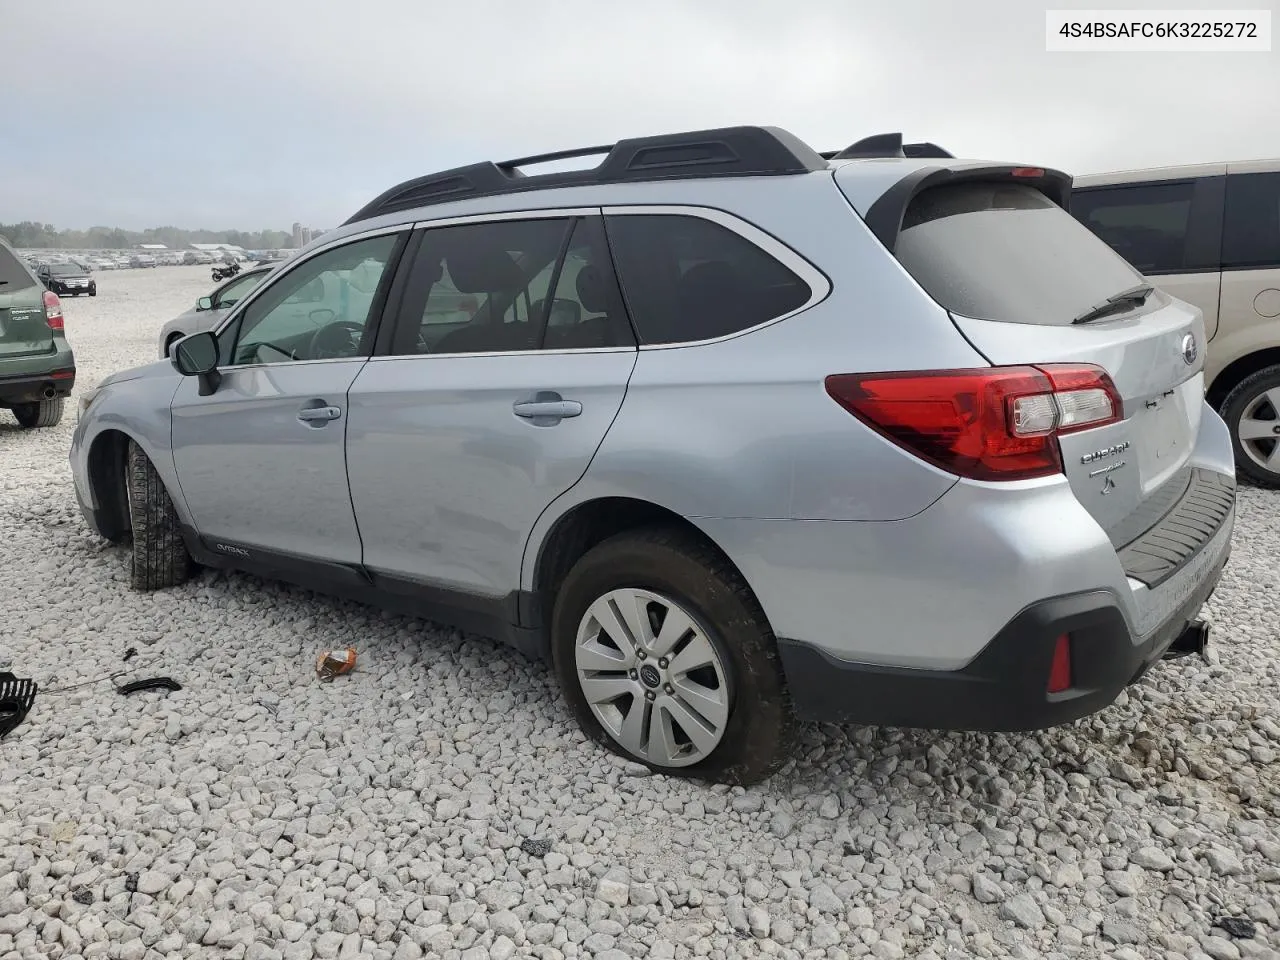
[[321, 414]]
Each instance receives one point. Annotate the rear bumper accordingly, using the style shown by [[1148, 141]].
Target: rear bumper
[[30, 389], [1004, 688]]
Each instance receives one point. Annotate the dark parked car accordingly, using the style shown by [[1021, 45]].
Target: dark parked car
[[67, 279]]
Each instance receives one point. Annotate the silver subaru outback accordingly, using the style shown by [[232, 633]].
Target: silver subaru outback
[[733, 432]]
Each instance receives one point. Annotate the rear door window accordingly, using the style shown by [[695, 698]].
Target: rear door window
[[1147, 224], [1251, 230], [687, 279], [13, 275], [1004, 251]]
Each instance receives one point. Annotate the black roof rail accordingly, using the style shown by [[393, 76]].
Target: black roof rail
[[723, 152], [887, 145]]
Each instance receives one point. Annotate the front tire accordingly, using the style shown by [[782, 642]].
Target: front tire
[[665, 657], [159, 557], [42, 413], [1252, 413]]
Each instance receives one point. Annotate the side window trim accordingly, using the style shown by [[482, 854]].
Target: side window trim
[[817, 281], [378, 306]]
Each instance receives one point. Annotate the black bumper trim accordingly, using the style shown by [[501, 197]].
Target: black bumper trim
[[1004, 687], [29, 389]]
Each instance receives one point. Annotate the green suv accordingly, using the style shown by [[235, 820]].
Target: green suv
[[37, 368]]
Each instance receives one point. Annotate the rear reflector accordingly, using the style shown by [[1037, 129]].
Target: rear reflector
[[1060, 671], [1033, 172], [52, 310], [62, 375], [990, 423]]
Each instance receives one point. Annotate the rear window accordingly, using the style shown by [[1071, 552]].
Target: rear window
[[13, 275], [1148, 224], [1251, 233], [1006, 252]]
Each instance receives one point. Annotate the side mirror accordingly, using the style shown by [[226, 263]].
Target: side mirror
[[564, 313], [204, 303], [197, 356]]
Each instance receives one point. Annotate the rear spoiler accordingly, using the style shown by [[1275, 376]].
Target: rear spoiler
[[884, 217]]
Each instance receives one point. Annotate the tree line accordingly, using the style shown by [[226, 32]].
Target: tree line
[[45, 236]]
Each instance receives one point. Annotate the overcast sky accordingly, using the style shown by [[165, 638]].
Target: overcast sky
[[247, 115]]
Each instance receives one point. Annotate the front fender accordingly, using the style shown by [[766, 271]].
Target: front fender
[[137, 410]]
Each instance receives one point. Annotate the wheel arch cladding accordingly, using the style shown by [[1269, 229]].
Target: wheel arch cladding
[[591, 522], [107, 462]]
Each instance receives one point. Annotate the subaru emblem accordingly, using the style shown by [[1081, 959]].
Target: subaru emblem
[[1189, 351]]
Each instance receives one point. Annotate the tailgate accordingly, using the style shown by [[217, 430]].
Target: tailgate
[[1116, 469], [1028, 284]]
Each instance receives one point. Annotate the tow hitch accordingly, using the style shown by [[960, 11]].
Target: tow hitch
[[1193, 640]]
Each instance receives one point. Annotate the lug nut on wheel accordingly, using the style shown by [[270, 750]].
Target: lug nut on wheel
[[649, 695], [667, 689], [632, 674], [662, 662]]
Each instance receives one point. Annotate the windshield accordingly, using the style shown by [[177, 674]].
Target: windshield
[[66, 270], [1004, 251]]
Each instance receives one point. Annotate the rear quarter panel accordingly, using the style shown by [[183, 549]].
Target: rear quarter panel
[[743, 427]]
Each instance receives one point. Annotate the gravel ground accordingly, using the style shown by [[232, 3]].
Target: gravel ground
[[439, 801]]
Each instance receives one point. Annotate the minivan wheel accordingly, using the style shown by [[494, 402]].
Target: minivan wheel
[[159, 557], [42, 413], [1252, 412], [666, 658]]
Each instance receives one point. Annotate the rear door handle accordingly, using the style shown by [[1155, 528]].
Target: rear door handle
[[549, 409], [312, 414]]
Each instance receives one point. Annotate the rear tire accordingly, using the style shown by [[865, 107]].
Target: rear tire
[[1252, 413], [671, 573], [42, 413], [160, 557]]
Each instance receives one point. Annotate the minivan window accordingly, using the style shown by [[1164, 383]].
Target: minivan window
[[13, 275], [1147, 223], [686, 278], [1251, 230], [1006, 252]]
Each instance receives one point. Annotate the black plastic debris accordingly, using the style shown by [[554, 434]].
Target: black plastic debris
[[1239, 928], [131, 883], [535, 847], [151, 683], [82, 896], [130, 654], [16, 698]]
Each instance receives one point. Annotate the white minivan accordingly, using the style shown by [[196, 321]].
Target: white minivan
[[1210, 235]]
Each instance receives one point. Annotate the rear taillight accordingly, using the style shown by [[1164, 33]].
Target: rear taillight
[[991, 423], [52, 310], [1060, 670]]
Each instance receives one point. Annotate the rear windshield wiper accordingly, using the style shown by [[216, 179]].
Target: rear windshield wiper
[[1122, 301]]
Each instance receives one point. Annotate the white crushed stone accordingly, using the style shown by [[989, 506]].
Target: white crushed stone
[[260, 815]]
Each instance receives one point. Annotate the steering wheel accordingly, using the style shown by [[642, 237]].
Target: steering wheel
[[336, 341]]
